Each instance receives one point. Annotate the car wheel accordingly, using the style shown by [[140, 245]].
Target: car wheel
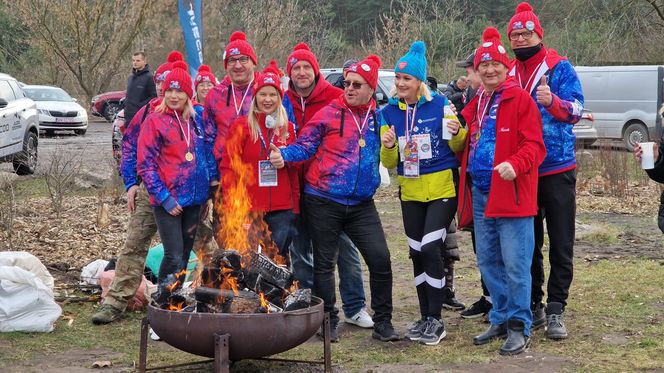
[[26, 162], [80, 132], [635, 133], [110, 109]]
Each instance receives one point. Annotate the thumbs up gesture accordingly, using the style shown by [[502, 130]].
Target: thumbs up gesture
[[389, 138], [276, 158], [544, 96]]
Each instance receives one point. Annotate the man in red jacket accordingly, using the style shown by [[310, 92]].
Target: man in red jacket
[[308, 93], [503, 151], [231, 98]]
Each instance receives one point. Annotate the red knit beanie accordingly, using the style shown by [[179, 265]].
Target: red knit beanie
[[238, 45], [179, 78], [302, 52], [367, 68], [204, 75], [491, 49], [164, 68], [269, 76], [525, 18]]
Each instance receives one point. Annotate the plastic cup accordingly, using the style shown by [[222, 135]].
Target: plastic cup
[[448, 114], [647, 155]]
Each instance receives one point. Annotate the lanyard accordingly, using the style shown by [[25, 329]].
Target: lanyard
[[187, 138], [481, 115], [238, 109], [411, 122], [357, 123], [303, 103], [263, 143], [528, 82]]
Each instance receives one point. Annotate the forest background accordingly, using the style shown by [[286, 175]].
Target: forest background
[[85, 47]]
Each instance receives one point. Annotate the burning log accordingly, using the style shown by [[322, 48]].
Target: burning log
[[266, 269], [301, 298], [218, 300]]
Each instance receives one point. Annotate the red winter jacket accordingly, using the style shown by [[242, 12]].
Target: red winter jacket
[[321, 96], [220, 110], [519, 142], [284, 196]]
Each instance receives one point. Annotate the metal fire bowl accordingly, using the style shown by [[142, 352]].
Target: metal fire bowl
[[252, 335]]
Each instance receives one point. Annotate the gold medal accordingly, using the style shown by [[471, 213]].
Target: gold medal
[[189, 157], [362, 142]]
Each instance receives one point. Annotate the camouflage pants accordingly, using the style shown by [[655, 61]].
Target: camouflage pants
[[131, 261]]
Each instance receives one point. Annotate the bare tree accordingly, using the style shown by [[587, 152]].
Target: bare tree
[[89, 39], [7, 211], [59, 177]]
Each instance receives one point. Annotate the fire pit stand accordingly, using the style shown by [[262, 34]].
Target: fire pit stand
[[222, 362]]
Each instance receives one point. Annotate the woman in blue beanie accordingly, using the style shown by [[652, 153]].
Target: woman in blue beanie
[[412, 136]]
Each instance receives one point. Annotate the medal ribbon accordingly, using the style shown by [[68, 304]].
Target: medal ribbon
[[481, 115], [410, 124], [357, 123], [187, 138], [238, 109]]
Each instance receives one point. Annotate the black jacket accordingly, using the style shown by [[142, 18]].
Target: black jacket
[[140, 90], [454, 94], [657, 174]]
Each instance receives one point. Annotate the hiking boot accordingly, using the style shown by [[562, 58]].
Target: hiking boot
[[415, 331], [450, 302], [494, 332], [384, 332], [334, 333], [477, 309], [433, 331], [516, 341], [361, 319], [539, 316], [106, 314], [555, 326]]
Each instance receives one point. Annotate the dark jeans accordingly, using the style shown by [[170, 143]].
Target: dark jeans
[[282, 229], [326, 221], [351, 284], [177, 235], [556, 198]]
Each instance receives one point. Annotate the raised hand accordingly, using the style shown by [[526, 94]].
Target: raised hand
[[276, 158], [389, 138], [544, 96]]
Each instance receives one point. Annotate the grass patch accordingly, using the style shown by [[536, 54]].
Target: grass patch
[[602, 235]]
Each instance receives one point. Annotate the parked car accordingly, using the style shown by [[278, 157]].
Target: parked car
[[107, 104], [19, 127], [585, 131], [116, 137], [385, 82], [624, 100], [57, 110]]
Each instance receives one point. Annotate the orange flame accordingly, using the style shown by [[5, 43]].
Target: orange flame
[[176, 307], [264, 303], [175, 284]]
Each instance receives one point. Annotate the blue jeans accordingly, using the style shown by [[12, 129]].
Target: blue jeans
[[351, 285], [504, 255], [282, 228]]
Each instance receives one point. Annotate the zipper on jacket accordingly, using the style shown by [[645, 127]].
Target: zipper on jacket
[[516, 191]]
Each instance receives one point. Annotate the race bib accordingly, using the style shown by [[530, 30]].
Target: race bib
[[411, 162], [423, 144], [267, 174]]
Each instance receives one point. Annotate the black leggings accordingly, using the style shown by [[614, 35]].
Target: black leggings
[[426, 225], [177, 235]]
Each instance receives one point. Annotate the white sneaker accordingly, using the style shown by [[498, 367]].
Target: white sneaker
[[361, 319]]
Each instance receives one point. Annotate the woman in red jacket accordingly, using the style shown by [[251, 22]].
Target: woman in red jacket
[[504, 149], [274, 192]]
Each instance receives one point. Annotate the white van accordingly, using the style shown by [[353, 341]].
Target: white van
[[624, 100], [19, 127]]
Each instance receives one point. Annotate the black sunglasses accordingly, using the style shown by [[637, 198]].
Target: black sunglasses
[[355, 85]]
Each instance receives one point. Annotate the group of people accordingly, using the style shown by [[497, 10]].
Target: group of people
[[501, 167]]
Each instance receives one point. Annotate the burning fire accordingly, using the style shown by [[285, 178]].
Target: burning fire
[[264, 303]]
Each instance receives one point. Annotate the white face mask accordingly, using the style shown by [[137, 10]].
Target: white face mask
[[271, 121]]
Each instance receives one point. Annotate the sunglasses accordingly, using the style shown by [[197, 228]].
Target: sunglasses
[[355, 85]]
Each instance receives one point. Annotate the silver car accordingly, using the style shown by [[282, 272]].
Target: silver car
[[58, 111], [19, 127]]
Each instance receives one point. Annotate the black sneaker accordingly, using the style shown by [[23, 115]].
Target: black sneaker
[[477, 309], [415, 331], [450, 302], [384, 332], [555, 326], [433, 331], [334, 333], [539, 316]]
